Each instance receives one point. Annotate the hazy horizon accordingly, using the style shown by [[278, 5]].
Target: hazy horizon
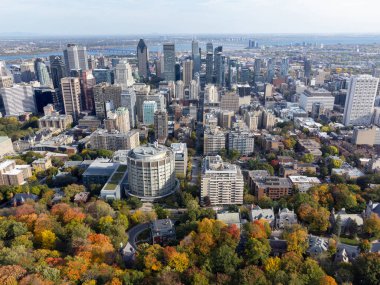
[[197, 17]]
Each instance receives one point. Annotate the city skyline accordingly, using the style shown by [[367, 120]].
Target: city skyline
[[177, 17]]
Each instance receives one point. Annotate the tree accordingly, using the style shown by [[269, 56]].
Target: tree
[[179, 261], [333, 150], [297, 239], [336, 163], [134, 202], [161, 212], [251, 275], [366, 269], [272, 265], [73, 189], [372, 226], [289, 143], [257, 250], [308, 158], [327, 280], [337, 229], [48, 239], [225, 260]]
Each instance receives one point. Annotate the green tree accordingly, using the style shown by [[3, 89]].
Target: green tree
[[257, 250], [251, 275], [308, 158], [225, 260], [337, 229], [367, 269]]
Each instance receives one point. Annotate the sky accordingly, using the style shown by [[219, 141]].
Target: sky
[[134, 17]]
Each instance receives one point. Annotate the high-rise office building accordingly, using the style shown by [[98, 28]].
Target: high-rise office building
[[123, 74], [143, 59], [27, 72], [284, 67], [209, 67], [219, 66], [270, 70], [169, 61], [222, 183], [42, 72], [209, 47], [161, 126], [107, 97], [44, 96], [230, 102], [118, 120], [194, 90], [149, 108], [360, 100], [196, 56], [88, 82], [102, 76], [75, 57], [257, 69], [307, 68], [187, 72], [18, 99], [71, 94], [57, 70]]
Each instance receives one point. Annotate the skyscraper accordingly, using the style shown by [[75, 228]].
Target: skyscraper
[[88, 82], [161, 126], [75, 57], [209, 48], [118, 120], [307, 68], [187, 72], [257, 69], [284, 67], [149, 108], [219, 66], [270, 70], [42, 73], [209, 67], [196, 56], [123, 74], [169, 61], [179, 90], [143, 59], [57, 69], [18, 99], [360, 100], [71, 94]]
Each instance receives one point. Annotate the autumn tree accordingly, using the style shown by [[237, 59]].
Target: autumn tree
[[372, 226], [297, 239], [179, 261]]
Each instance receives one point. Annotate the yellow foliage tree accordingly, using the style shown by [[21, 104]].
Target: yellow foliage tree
[[48, 239]]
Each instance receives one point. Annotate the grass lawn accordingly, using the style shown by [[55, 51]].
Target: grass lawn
[[349, 241]]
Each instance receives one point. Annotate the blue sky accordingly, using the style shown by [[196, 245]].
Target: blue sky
[[129, 17]]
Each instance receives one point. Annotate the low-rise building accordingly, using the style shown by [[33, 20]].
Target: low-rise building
[[55, 121], [310, 146], [6, 146], [285, 218], [303, 183], [271, 186], [162, 231], [12, 174], [229, 218], [256, 213], [42, 164], [99, 171]]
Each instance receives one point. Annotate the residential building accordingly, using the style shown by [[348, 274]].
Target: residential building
[[128, 100], [102, 139], [180, 156], [161, 126], [162, 231], [285, 218], [71, 94], [12, 174], [151, 172], [270, 186], [6, 146], [118, 120], [303, 183], [42, 164], [256, 213], [221, 183], [360, 100], [213, 141], [242, 141]]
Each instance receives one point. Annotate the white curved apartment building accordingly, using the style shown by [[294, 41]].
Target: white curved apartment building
[[151, 172]]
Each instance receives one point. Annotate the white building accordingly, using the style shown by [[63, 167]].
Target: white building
[[242, 141], [222, 183], [211, 94], [71, 93], [151, 172], [180, 156], [360, 100], [310, 96], [304, 183], [123, 74], [18, 99]]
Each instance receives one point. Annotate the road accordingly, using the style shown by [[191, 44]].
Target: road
[[134, 232], [195, 171]]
